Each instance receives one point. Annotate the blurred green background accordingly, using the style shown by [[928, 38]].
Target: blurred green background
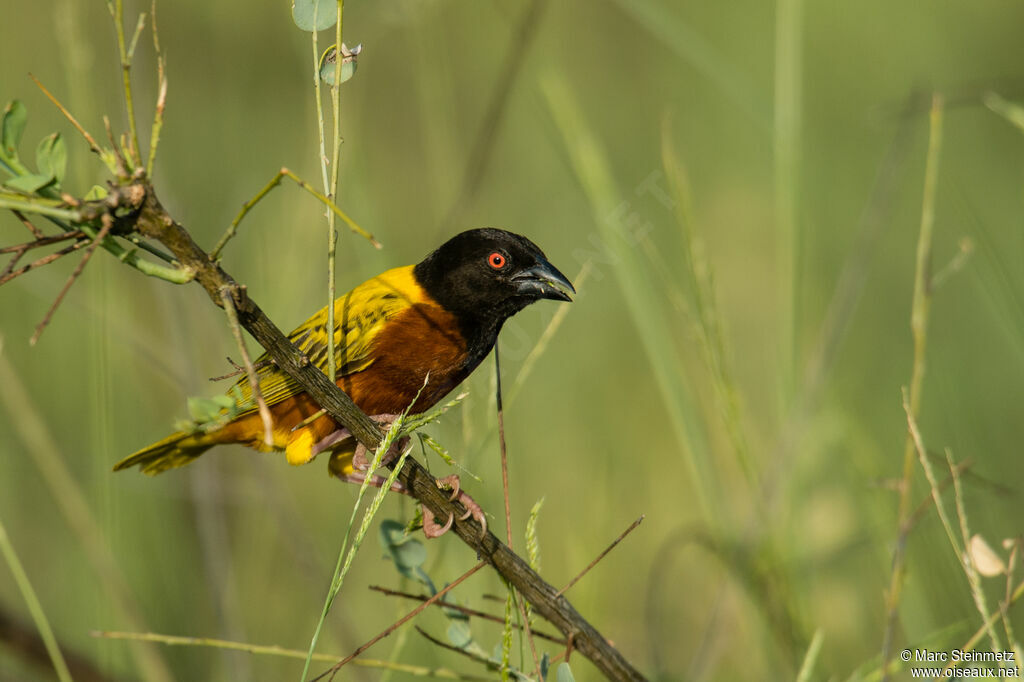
[[804, 145]]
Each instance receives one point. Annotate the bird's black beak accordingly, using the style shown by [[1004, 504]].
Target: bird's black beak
[[543, 281]]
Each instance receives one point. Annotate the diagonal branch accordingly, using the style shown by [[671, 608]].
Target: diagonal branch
[[154, 222]]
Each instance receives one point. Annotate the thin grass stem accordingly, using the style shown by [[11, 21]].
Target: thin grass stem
[[811, 658], [919, 329], [117, 13], [332, 233], [786, 138], [254, 382], [161, 99], [275, 650], [966, 557], [412, 614], [345, 559], [73, 505], [34, 607]]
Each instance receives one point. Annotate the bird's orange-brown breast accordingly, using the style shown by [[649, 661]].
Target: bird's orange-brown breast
[[423, 339]]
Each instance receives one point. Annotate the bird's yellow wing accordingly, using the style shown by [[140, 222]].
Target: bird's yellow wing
[[359, 316]]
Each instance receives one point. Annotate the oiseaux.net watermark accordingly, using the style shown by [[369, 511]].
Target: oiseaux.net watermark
[[960, 664]]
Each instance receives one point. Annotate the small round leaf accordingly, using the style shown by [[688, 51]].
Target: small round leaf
[[317, 15], [459, 634], [348, 63]]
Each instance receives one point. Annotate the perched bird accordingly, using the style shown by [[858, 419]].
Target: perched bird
[[419, 329]]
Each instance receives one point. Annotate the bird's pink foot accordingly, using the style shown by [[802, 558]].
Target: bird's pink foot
[[432, 529], [359, 472]]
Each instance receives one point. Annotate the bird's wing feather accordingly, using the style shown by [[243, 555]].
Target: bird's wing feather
[[359, 317]]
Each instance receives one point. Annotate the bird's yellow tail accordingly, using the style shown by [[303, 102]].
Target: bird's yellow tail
[[176, 450]]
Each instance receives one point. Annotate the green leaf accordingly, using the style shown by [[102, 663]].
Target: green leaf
[[348, 63], [15, 117], [314, 14], [52, 157], [29, 183], [563, 673], [407, 552], [95, 193], [545, 665], [437, 447], [459, 634]]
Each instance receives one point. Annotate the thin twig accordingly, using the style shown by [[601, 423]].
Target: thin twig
[[919, 330], [978, 634], [161, 99], [20, 250], [502, 446], [14, 261], [926, 504], [117, 13], [451, 647], [240, 369], [602, 555], [274, 182], [483, 615], [254, 382], [107, 224], [508, 508], [43, 240], [1004, 606], [309, 420], [70, 117], [45, 260], [275, 650], [332, 234], [394, 626], [463, 652], [139, 26], [322, 152], [36, 232], [967, 557]]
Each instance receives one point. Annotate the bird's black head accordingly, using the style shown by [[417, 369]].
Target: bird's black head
[[487, 275]]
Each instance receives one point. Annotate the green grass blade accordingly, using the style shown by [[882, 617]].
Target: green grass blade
[[593, 169], [34, 607]]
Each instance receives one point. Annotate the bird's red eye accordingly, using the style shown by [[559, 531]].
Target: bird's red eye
[[496, 260]]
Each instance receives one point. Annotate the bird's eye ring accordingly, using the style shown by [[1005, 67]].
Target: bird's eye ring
[[497, 260]]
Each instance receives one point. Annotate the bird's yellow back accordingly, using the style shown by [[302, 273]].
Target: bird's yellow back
[[359, 317]]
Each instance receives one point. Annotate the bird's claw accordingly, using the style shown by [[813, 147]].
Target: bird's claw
[[472, 509], [430, 526], [452, 482]]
